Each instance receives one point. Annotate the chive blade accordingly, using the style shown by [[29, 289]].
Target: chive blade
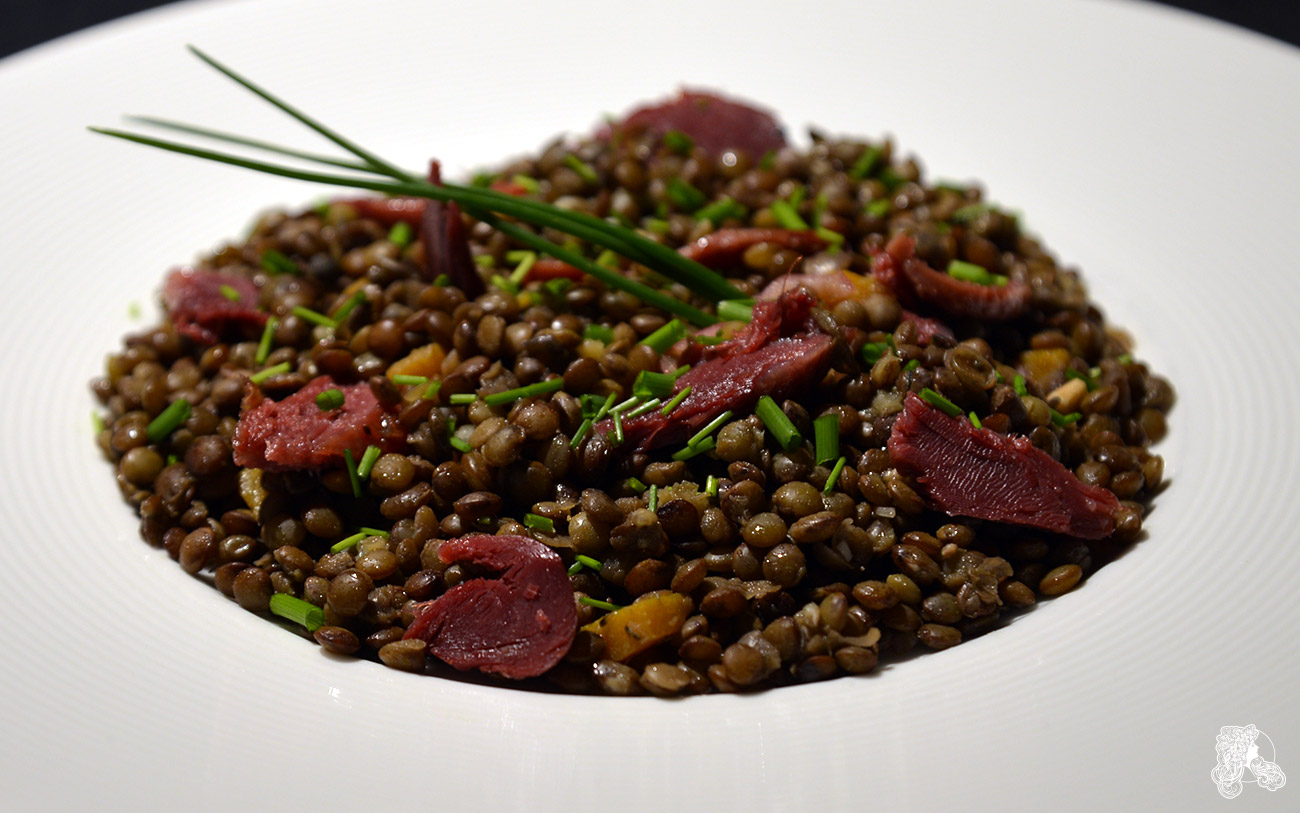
[[709, 428], [300, 612], [368, 458], [510, 396], [351, 464], [826, 438], [834, 477], [934, 399], [782, 429], [262, 375], [264, 345], [168, 421]]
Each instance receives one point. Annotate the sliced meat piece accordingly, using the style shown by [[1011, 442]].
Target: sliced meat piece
[[518, 625], [780, 353], [295, 433], [204, 304], [446, 242], [964, 471], [724, 248], [927, 328], [714, 122], [547, 268], [913, 282], [389, 210]]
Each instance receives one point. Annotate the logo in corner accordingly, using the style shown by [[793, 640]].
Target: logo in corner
[[1237, 749]]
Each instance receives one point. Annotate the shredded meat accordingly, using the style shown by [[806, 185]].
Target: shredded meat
[[204, 304], [715, 123], [915, 283]]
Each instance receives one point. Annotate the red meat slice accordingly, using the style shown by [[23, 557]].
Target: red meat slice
[[518, 625], [780, 353], [927, 328], [295, 433], [714, 122], [971, 472], [199, 307], [912, 281], [446, 242], [389, 210], [725, 247]]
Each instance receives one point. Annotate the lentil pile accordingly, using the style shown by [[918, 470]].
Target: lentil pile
[[753, 557]]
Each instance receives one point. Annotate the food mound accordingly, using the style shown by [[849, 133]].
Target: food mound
[[872, 414]]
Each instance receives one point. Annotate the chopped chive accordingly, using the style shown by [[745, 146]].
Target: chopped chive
[[261, 375], [134, 311], [624, 406], [590, 403], [347, 542], [656, 225], [872, 351], [1088, 382], [539, 523], [834, 477], [401, 234], [229, 293], [998, 375], [432, 390], [587, 561], [975, 421], [608, 259], [787, 436], [911, 365], [708, 341], [368, 458], [331, 398], [736, 310], [880, 207], [483, 178], [348, 306], [833, 238], [309, 315], [866, 164], [277, 263], [298, 611], [1065, 420], [529, 184], [351, 464], [698, 449], [818, 210], [583, 429], [649, 384], [504, 283], [786, 215], [646, 407], [684, 196], [666, 336], [598, 604], [441, 281], [525, 265], [721, 210], [97, 422], [575, 569], [1018, 383], [557, 286], [582, 168], [410, 380], [711, 486], [826, 438], [679, 142], [176, 413], [681, 370], [1124, 358], [709, 428], [264, 345], [936, 400], [599, 332], [540, 388], [968, 272], [971, 211], [461, 445], [172, 460], [677, 399], [380, 532], [652, 501], [605, 407], [796, 197], [462, 398], [891, 179], [485, 261], [635, 484], [768, 160], [518, 255], [617, 434]]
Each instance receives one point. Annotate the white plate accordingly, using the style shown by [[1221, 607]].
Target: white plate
[[1153, 149]]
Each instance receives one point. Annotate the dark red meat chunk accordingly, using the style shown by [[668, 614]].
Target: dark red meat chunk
[[295, 433], [199, 308], [446, 242], [912, 281], [389, 210], [971, 472], [927, 328], [780, 353], [725, 247], [518, 625], [717, 124]]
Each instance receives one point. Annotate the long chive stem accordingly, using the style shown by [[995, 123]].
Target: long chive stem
[[677, 399], [834, 477], [700, 436], [698, 449], [261, 375], [264, 346], [176, 413], [583, 429], [347, 542], [509, 396]]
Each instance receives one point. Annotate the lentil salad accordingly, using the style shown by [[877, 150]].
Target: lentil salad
[[779, 543]]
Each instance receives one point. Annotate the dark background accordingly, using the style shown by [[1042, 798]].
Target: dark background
[[36, 21]]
